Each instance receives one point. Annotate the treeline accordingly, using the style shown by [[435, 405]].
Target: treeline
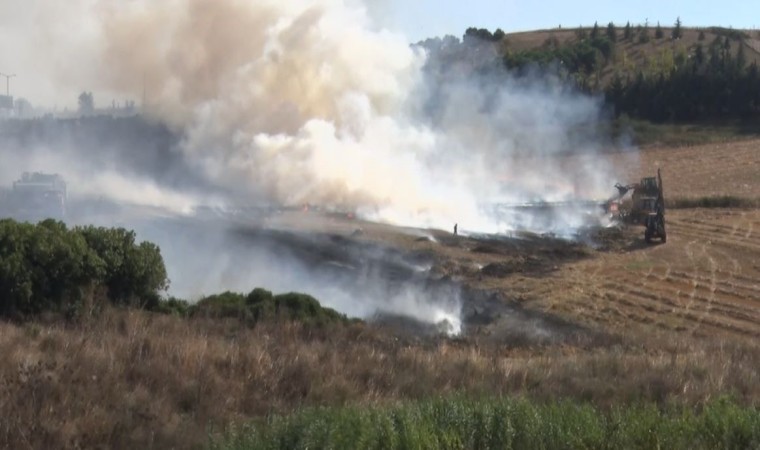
[[708, 80], [49, 268], [710, 83]]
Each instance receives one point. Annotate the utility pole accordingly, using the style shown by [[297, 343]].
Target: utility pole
[[8, 83]]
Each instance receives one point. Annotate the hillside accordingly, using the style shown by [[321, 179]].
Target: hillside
[[670, 74], [633, 54]]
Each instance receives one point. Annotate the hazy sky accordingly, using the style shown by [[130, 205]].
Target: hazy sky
[[50, 43], [420, 19]]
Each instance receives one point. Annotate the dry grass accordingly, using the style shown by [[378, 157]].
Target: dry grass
[[710, 170], [134, 380]]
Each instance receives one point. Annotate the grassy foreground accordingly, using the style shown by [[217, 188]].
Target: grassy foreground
[[505, 423], [131, 379]]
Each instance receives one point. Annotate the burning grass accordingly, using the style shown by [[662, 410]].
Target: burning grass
[[133, 380]]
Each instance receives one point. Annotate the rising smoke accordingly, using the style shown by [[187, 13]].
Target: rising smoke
[[308, 102], [295, 102]]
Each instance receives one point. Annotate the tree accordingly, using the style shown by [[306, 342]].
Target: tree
[[677, 34], [741, 58], [644, 35], [699, 56], [135, 273], [611, 32], [595, 30], [44, 267], [86, 103], [658, 34], [627, 31]]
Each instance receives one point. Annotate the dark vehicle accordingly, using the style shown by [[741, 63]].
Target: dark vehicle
[[646, 206], [36, 196], [654, 206]]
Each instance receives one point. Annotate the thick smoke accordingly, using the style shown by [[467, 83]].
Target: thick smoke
[[306, 102]]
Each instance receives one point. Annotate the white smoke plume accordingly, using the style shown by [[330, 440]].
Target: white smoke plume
[[308, 102], [293, 102]]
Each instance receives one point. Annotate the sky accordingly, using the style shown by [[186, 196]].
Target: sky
[[27, 27], [421, 19]]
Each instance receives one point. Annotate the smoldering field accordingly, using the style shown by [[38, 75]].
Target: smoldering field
[[281, 104]]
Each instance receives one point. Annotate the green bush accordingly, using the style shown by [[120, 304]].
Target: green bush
[[47, 267], [134, 272], [173, 306], [225, 305], [262, 305]]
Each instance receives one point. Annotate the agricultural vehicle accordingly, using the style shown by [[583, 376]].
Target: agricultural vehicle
[[35, 196], [646, 206]]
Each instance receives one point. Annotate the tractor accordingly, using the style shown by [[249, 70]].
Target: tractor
[[646, 206]]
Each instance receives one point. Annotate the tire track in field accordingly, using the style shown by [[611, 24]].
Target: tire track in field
[[752, 290], [643, 310], [669, 300], [708, 287], [704, 281], [713, 237], [736, 233], [671, 294]]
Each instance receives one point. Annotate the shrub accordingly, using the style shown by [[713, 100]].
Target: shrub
[[305, 308], [44, 267], [261, 305], [225, 305], [173, 306], [47, 267], [133, 271]]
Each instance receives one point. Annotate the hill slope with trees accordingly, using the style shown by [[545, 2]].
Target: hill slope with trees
[[654, 73]]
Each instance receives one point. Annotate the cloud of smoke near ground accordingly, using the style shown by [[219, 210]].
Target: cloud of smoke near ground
[[293, 102], [309, 102]]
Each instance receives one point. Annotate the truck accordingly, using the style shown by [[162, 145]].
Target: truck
[[35, 196]]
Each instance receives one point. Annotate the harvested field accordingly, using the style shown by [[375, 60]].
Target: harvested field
[[729, 168], [704, 282]]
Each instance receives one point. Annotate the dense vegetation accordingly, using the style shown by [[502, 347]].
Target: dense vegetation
[[504, 423], [261, 305], [706, 80], [709, 83], [48, 267]]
